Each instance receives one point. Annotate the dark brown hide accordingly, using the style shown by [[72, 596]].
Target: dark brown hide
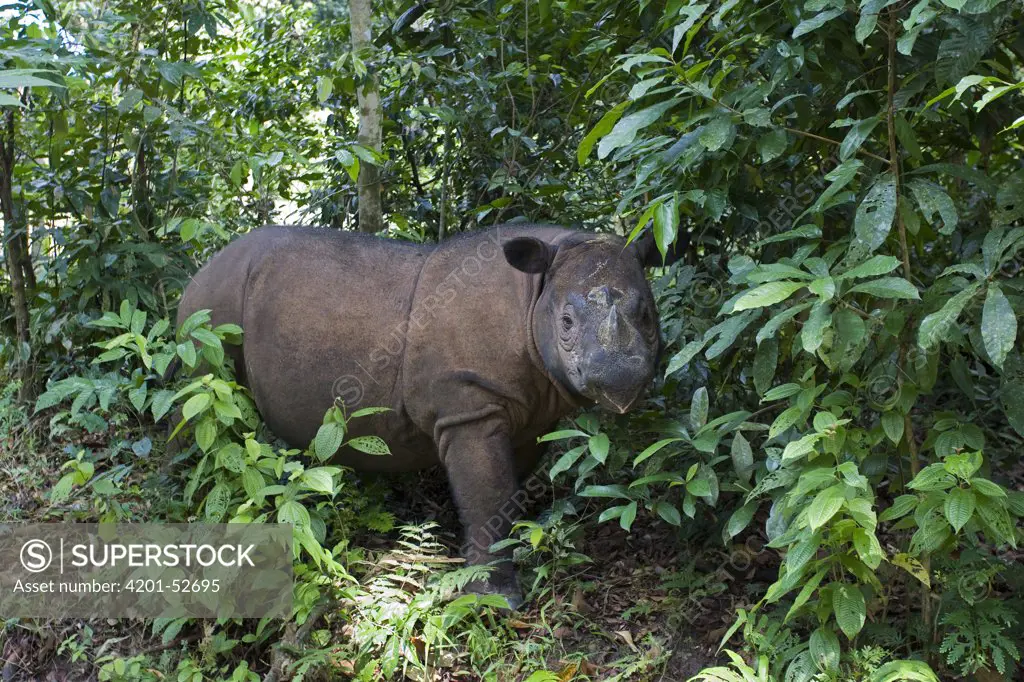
[[478, 345]]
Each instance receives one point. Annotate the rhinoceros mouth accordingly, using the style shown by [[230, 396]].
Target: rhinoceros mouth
[[620, 404]]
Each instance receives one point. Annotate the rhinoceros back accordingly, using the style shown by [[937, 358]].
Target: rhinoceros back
[[315, 305]]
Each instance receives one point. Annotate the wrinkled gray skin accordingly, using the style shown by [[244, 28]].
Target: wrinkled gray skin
[[478, 345]]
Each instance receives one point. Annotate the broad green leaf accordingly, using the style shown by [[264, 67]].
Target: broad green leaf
[[786, 419], [767, 294], [824, 647], [699, 408], [849, 608], [998, 325], [680, 359], [932, 199], [959, 507], [742, 457], [903, 671], [651, 450], [772, 144], [603, 127], [936, 326], [599, 445], [888, 287], [371, 445], [839, 177], [812, 335], [716, 134], [23, 78], [566, 461], [872, 267], [766, 359], [824, 506], [625, 131], [324, 89], [739, 520], [855, 138], [892, 424], [868, 548], [874, 216], [816, 22], [195, 405], [328, 439]]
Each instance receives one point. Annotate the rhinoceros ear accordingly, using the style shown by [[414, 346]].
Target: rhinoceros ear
[[650, 257], [528, 254]]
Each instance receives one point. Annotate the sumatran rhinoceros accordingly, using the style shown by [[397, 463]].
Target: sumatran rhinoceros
[[478, 345]]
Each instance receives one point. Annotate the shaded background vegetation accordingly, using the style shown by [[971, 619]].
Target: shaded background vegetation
[[844, 392]]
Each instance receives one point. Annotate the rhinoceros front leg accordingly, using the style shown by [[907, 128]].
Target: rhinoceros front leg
[[482, 474]]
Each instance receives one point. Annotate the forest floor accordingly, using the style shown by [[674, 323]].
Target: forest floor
[[645, 607]]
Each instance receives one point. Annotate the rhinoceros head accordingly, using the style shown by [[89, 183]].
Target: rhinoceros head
[[595, 323]]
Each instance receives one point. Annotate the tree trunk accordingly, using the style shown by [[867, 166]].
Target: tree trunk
[[14, 244], [371, 218]]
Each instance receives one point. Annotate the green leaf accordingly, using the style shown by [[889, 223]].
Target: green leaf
[[603, 127], [650, 450], [816, 22], [868, 548], [666, 224], [959, 507], [615, 491], [849, 608], [771, 145], [562, 435], [566, 461], [824, 647], [935, 327], [371, 445], [699, 408], [839, 177], [599, 445], [324, 88], [739, 520], [875, 214], [813, 333], [294, 513], [903, 671], [716, 133], [206, 434], [767, 294], [319, 479], [888, 287], [625, 131], [766, 359], [872, 267], [824, 506], [162, 402], [195, 405], [805, 593], [680, 359], [328, 439], [855, 138], [23, 78], [216, 503], [786, 419], [628, 516], [742, 457], [892, 425], [998, 325], [931, 199]]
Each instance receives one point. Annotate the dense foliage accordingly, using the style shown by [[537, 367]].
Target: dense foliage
[[843, 389]]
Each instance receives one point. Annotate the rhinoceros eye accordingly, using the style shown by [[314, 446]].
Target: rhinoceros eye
[[567, 329]]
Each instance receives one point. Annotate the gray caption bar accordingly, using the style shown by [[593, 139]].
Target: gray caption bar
[[145, 570]]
